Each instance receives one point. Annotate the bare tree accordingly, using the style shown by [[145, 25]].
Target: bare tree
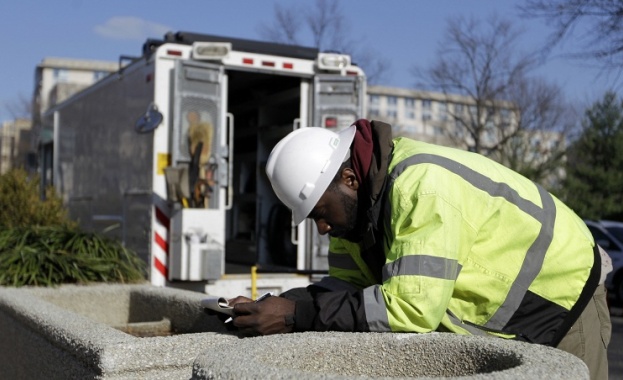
[[543, 123], [285, 27], [20, 107], [375, 65], [328, 30], [498, 109], [326, 22], [596, 26], [478, 62]]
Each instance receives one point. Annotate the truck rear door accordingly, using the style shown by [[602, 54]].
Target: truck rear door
[[199, 176], [337, 103]]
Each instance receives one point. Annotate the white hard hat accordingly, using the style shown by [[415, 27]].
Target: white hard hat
[[303, 164]]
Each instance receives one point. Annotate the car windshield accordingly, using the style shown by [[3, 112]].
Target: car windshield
[[617, 232]]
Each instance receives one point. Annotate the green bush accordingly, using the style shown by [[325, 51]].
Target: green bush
[[51, 256], [40, 245], [21, 204]]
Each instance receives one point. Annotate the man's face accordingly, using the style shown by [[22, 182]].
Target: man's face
[[336, 211]]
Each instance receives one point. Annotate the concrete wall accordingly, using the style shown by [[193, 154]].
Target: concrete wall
[[77, 332], [333, 355], [67, 333]]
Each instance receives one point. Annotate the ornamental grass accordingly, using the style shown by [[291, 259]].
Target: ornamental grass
[[41, 246]]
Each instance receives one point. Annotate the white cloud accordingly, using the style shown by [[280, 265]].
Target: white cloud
[[130, 28]]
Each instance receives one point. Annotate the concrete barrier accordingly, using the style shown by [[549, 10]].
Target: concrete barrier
[[375, 355], [117, 332], [77, 332]]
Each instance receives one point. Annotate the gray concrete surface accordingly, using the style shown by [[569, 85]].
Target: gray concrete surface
[[80, 332], [68, 333], [333, 355]]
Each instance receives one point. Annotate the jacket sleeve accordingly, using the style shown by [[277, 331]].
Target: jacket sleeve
[[336, 302], [331, 311]]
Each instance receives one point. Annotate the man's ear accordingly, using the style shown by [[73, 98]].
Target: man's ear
[[349, 178]]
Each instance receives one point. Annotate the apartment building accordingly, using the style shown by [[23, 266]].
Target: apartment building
[[56, 79], [437, 117], [412, 113], [15, 145], [445, 119]]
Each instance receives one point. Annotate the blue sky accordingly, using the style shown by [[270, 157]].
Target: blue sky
[[405, 31]]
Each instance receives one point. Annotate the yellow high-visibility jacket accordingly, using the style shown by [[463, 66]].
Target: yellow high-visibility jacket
[[470, 247]]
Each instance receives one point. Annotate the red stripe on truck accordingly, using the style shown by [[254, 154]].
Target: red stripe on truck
[[162, 218], [160, 267], [162, 243]]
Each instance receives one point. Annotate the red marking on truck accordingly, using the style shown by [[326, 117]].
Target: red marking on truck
[[162, 218], [161, 267], [161, 243]]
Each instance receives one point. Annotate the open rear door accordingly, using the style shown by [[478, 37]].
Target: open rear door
[[338, 102], [199, 176]]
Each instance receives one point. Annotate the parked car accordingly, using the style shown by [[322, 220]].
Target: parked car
[[614, 247], [614, 228]]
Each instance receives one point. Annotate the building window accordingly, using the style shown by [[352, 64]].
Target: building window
[[426, 104], [61, 75], [409, 108], [473, 111], [373, 102], [443, 111], [490, 132], [392, 114], [397, 129], [392, 100], [459, 130], [458, 109], [97, 75]]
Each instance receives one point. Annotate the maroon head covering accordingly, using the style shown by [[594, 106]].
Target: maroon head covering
[[361, 153]]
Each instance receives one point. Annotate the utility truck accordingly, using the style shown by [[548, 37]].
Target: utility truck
[[168, 156]]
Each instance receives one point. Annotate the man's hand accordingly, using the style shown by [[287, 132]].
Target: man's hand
[[273, 315]]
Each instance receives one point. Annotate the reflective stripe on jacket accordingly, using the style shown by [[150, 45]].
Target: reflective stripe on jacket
[[471, 253]]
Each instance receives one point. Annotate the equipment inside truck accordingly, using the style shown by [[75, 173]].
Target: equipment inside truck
[[258, 225], [261, 109]]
